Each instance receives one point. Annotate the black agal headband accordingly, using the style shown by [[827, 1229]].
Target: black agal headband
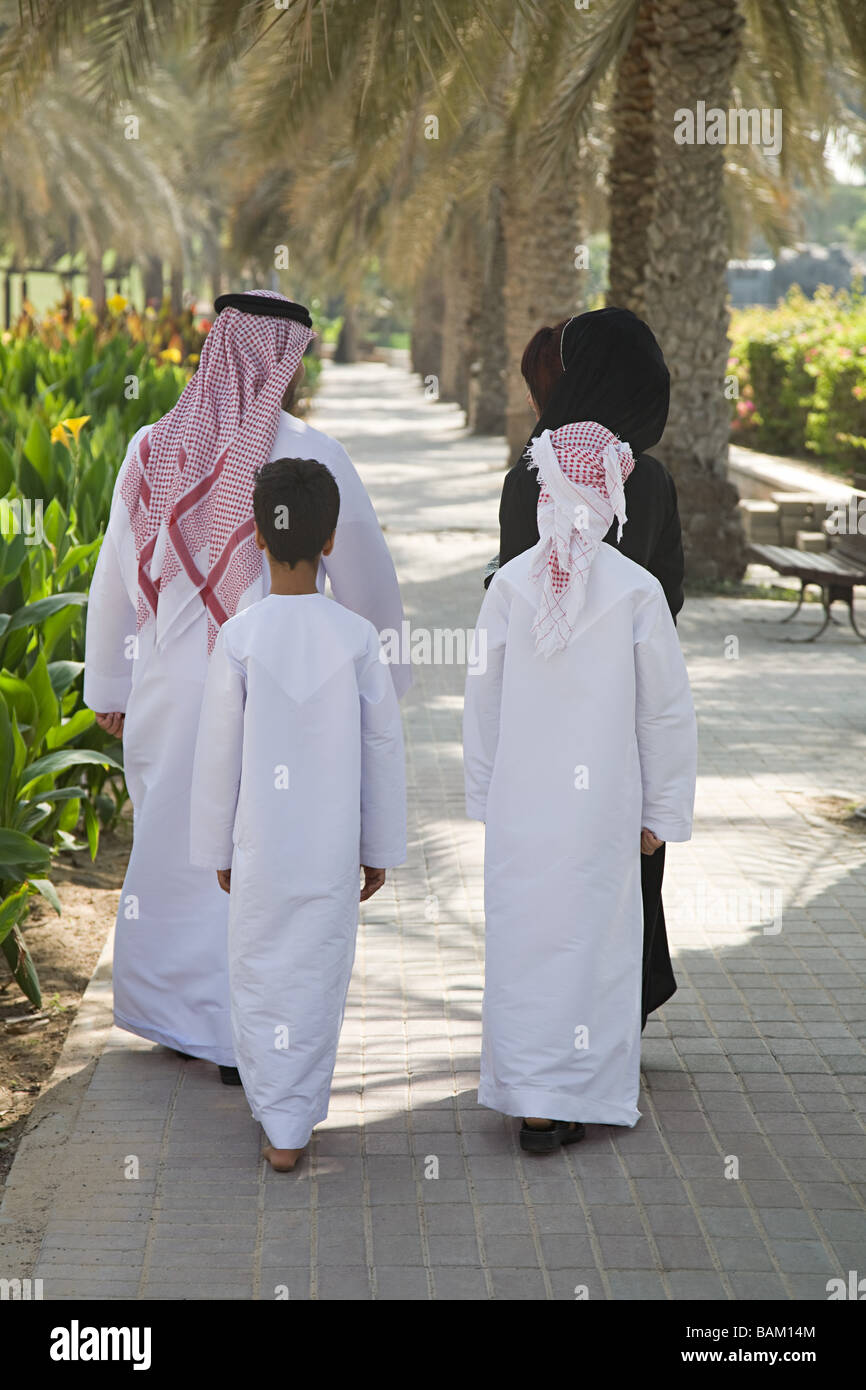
[[265, 305]]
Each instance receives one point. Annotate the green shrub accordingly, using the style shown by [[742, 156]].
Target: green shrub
[[801, 376]]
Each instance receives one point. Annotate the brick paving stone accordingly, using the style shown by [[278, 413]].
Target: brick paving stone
[[456, 1282], [699, 1284], [760, 1054], [742, 1254], [402, 1283], [637, 1284], [748, 1284], [518, 1284]]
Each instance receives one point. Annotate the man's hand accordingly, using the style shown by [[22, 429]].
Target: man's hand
[[649, 842], [373, 880], [224, 879], [111, 723]]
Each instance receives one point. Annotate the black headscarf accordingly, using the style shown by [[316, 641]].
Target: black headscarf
[[614, 372]]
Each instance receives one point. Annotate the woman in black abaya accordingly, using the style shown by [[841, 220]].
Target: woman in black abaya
[[607, 366]]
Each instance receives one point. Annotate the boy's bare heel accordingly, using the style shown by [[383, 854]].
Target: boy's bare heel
[[281, 1160]]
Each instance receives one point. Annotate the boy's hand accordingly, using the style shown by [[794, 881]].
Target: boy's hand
[[111, 723], [224, 879], [649, 842], [373, 880]]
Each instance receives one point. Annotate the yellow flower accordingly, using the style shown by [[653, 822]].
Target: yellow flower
[[85, 302], [58, 434], [75, 425], [193, 357], [117, 303], [171, 355]]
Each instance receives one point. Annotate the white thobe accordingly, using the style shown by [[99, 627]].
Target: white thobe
[[298, 780], [170, 961], [566, 758]]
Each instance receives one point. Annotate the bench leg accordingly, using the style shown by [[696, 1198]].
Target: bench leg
[[802, 595], [826, 600], [849, 599]]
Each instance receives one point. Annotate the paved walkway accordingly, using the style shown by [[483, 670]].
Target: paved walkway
[[746, 1177]]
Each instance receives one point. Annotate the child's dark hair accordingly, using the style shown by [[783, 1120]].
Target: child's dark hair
[[296, 503]]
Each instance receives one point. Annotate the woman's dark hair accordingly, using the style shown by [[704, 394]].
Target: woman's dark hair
[[296, 503], [541, 363]]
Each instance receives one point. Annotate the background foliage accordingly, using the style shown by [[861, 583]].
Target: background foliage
[[801, 373]]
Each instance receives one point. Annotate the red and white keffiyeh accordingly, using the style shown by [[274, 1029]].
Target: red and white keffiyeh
[[581, 471], [188, 487]]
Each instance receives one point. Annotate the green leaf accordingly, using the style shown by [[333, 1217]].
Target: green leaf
[[37, 448], [56, 627], [33, 613], [48, 709], [16, 848], [56, 794], [12, 909], [20, 749], [7, 468], [68, 818], [48, 891], [62, 734], [54, 522], [62, 674], [22, 967], [91, 825], [13, 554], [19, 697], [7, 751], [61, 761], [76, 555], [65, 841], [18, 762]]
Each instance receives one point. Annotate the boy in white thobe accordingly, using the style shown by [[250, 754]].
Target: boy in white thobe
[[298, 778], [579, 744]]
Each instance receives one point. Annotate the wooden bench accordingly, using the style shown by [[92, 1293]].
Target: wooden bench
[[835, 572]]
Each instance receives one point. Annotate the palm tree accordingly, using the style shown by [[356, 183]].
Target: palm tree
[[386, 60], [670, 218], [652, 58], [59, 194]]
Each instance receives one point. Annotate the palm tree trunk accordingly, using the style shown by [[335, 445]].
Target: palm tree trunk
[[487, 398], [542, 284], [462, 294], [347, 343], [177, 289], [686, 293], [427, 309], [631, 175], [154, 285], [96, 280]]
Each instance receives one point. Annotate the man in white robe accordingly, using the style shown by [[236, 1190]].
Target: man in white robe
[[298, 779], [178, 558], [579, 742]]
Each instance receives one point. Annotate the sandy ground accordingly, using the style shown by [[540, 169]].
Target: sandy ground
[[65, 950]]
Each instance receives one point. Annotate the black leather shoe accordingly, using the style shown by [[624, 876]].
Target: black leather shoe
[[230, 1076], [544, 1141]]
